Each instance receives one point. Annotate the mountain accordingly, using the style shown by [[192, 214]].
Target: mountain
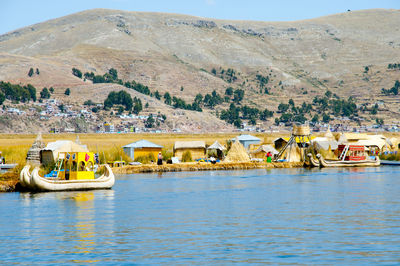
[[346, 53]]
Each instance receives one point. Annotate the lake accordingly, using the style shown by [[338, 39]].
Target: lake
[[279, 216]]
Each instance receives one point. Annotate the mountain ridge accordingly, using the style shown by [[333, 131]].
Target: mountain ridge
[[169, 51]]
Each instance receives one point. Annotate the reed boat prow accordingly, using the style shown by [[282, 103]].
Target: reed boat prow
[[38, 183], [341, 163], [313, 162]]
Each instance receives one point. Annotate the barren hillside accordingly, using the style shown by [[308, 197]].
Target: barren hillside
[[302, 59]]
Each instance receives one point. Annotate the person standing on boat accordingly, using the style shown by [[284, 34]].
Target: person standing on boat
[[159, 160]]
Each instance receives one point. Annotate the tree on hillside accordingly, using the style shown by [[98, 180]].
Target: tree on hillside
[[45, 94], [149, 122], [121, 97], [51, 90], [30, 73], [229, 91], [157, 95], [76, 72], [238, 95], [37, 71], [167, 98], [32, 91], [67, 92], [2, 98], [114, 73], [137, 106]]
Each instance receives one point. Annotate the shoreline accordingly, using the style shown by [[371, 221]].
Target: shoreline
[[202, 166], [12, 183]]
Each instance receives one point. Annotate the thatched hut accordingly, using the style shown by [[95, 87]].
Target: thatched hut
[[196, 148], [218, 149]]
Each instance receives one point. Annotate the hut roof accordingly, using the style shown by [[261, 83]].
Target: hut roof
[[65, 146], [246, 137], [373, 140], [355, 136], [324, 143], [216, 146], [266, 148], [328, 134], [142, 144], [281, 139], [189, 144]]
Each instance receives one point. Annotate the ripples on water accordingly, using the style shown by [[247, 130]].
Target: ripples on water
[[280, 216]]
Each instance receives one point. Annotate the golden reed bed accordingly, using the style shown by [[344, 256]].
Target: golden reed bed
[[150, 168]]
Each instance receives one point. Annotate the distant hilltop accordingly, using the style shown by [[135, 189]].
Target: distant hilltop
[[353, 54]]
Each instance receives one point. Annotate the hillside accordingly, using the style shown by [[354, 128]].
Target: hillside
[[166, 52]]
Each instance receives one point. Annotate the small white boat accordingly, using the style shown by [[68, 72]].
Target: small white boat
[[34, 182], [7, 166]]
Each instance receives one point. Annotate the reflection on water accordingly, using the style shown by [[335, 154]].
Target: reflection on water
[[279, 216]]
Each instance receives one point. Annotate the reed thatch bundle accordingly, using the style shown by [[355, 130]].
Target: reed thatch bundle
[[237, 153]]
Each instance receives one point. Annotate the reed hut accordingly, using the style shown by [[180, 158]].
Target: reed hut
[[142, 148], [218, 149], [196, 148]]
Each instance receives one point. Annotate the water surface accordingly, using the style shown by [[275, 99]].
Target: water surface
[[279, 216]]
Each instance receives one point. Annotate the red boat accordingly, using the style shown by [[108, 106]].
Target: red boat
[[350, 155]]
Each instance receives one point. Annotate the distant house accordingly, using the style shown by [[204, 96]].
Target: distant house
[[109, 128], [247, 140], [142, 148], [197, 149]]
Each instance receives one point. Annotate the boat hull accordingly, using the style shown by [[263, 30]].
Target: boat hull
[[34, 182], [362, 163]]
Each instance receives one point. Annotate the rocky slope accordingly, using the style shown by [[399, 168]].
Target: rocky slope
[[169, 51]]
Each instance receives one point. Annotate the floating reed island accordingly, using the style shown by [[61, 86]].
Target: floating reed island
[[202, 166], [154, 153]]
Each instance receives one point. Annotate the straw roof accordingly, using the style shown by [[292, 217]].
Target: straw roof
[[325, 143], [189, 144], [237, 153], [216, 146], [65, 146], [266, 149], [329, 135], [373, 140]]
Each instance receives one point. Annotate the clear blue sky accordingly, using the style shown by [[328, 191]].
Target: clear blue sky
[[20, 13]]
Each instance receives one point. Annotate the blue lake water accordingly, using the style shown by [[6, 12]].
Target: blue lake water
[[281, 216]]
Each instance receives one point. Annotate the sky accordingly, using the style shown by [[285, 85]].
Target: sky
[[20, 13]]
